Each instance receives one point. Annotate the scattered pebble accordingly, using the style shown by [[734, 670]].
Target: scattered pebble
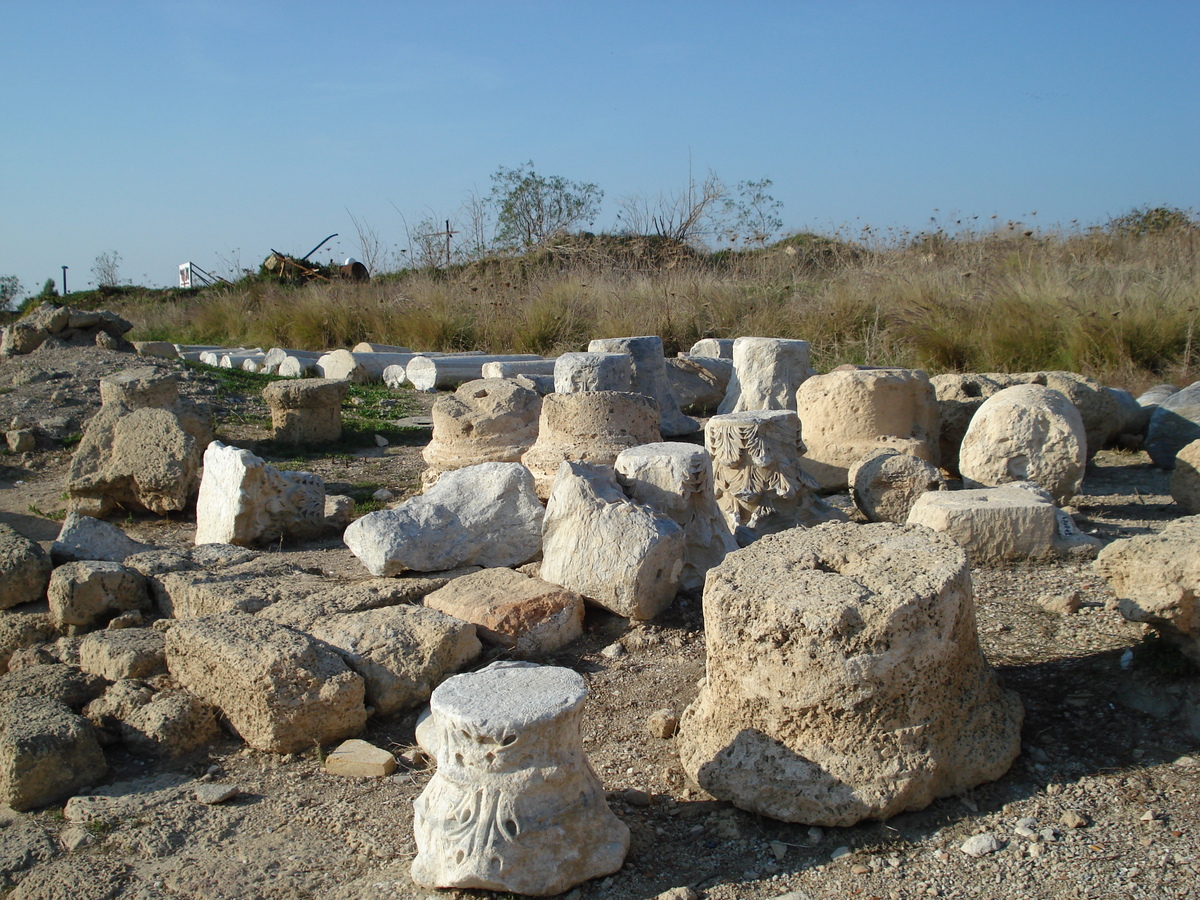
[[614, 651], [1072, 818], [981, 845], [662, 723], [212, 794], [839, 853]]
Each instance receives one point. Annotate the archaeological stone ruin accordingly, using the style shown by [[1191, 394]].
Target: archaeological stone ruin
[[826, 527]]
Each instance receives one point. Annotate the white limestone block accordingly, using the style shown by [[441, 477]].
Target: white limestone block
[[766, 373], [575, 372], [649, 377]]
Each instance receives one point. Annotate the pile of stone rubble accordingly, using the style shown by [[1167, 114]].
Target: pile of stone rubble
[[844, 677]]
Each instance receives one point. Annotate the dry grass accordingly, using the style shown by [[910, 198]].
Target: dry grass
[[1122, 308]]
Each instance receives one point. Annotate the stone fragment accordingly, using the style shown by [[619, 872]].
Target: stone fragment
[[699, 382], [590, 427], [214, 793], [959, 396], [24, 626], [24, 569], [851, 412], [662, 723], [47, 753], [1061, 604], [83, 538], [717, 348], [1185, 478], [90, 593], [1156, 577], [142, 449], [676, 479], [844, 678], [482, 822], [766, 374], [306, 410], [1073, 818], [281, 690], [1132, 417], [359, 759], [245, 501], [649, 378], [157, 723], [24, 846], [66, 684], [126, 653], [885, 484], [486, 420], [575, 372], [758, 482], [339, 511], [1174, 425], [995, 525], [540, 368], [527, 616], [1150, 399], [1026, 433], [156, 349], [1099, 410], [486, 515], [20, 440], [981, 845], [401, 652], [248, 586], [597, 542], [21, 337]]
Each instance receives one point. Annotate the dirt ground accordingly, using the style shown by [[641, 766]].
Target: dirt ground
[[1112, 732]]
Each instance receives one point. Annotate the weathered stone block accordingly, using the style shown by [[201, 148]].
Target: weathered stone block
[[24, 569]]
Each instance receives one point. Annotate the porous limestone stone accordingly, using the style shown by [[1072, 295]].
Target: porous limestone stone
[[885, 484], [649, 378], [514, 805], [142, 449], [401, 652], [591, 427], [766, 374], [306, 410], [124, 653], [47, 753], [1174, 424], [852, 411], [527, 616], [89, 593], [281, 690], [245, 501], [24, 569], [699, 382], [1156, 578], [152, 722], [67, 684], [187, 590], [1013, 521], [1185, 479], [20, 440], [959, 396], [676, 479], [844, 678], [596, 541], [1026, 433], [574, 372], [759, 484], [24, 626], [485, 420], [485, 515]]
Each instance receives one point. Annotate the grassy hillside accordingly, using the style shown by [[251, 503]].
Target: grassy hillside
[[1120, 303]]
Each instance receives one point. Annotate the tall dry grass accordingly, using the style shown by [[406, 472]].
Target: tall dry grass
[[1122, 308]]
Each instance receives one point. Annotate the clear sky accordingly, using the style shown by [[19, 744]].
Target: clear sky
[[214, 130]]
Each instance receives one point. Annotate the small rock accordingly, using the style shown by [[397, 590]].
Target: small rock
[[1049, 835], [815, 834], [633, 797], [380, 441], [941, 855], [212, 794], [860, 869], [1149, 816], [383, 495], [1062, 604], [678, 893], [981, 845], [780, 849], [1025, 832], [839, 853], [74, 838], [21, 441], [613, 651], [662, 723], [361, 759], [1072, 818], [1027, 822]]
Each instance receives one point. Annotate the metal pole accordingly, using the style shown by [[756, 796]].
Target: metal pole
[[64, 268], [448, 233]]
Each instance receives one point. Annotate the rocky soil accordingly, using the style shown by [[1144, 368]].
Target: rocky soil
[[1104, 800]]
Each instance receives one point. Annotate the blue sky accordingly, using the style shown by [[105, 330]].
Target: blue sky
[[213, 131]]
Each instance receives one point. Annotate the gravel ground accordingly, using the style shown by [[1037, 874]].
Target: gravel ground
[[1102, 802]]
